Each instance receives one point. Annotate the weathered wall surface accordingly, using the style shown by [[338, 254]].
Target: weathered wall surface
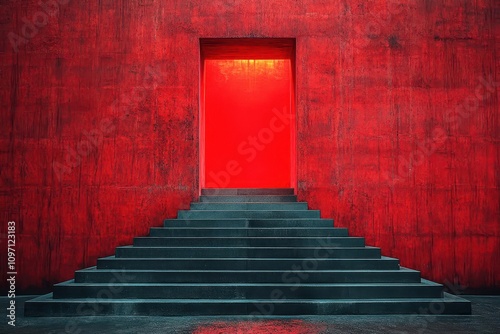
[[397, 124]]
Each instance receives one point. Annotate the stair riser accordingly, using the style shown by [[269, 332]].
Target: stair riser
[[249, 206], [217, 308], [299, 291], [247, 264], [205, 214], [249, 242], [232, 252], [247, 191], [244, 232], [248, 277], [254, 199], [252, 223]]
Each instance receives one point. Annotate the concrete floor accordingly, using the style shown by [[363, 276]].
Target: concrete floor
[[485, 319]]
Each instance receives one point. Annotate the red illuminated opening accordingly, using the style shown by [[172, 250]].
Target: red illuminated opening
[[247, 130]]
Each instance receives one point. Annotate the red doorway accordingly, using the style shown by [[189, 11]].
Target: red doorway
[[247, 130]]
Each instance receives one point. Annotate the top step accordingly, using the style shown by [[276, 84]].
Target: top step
[[247, 191]]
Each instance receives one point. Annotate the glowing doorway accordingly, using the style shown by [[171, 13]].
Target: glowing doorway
[[247, 137]]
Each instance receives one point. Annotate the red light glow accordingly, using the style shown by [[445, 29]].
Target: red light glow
[[260, 327], [247, 123]]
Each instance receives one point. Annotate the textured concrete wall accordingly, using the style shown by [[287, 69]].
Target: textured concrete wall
[[397, 124]]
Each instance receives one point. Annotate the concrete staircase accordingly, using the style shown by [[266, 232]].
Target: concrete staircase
[[247, 252]]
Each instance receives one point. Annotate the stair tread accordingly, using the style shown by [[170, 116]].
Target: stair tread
[[249, 247], [248, 228], [250, 218], [227, 284], [447, 298], [251, 237], [245, 210], [278, 203], [94, 269], [245, 259]]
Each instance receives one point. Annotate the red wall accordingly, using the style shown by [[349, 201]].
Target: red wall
[[385, 144]]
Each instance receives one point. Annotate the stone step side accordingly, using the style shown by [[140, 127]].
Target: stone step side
[[47, 306], [247, 232], [94, 275]]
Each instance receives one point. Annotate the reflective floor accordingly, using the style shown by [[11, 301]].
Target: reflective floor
[[485, 319]]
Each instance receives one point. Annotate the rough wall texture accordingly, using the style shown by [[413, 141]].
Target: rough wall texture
[[397, 124]]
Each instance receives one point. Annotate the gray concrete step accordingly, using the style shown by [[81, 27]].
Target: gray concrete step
[[246, 232], [244, 252], [302, 290], [249, 214], [184, 263], [47, 306], [249, 206], [93, 275], [251, 223], [318, 242], [248, 198]]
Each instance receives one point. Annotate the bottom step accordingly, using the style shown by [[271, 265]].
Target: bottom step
[[47, 306]]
